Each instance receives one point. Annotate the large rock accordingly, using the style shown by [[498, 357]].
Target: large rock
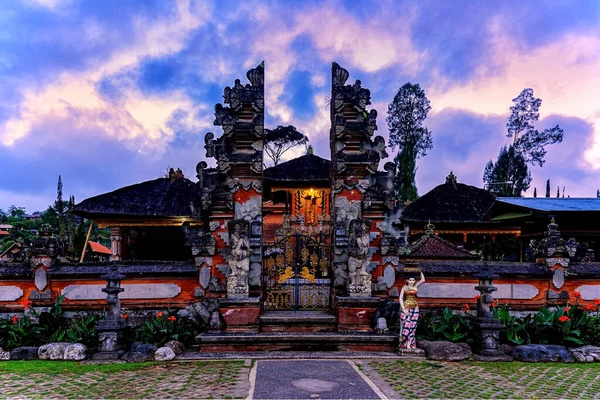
[[542, 353], [140, 352], [586, 353], [164, 354], [24, 353], [4, 355], [176, 346], [76, 352], [445, 351], [53, 351]]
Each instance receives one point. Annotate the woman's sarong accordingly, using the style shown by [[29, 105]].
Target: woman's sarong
[[408, 328]]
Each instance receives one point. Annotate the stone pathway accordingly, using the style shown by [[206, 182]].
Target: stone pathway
[[311, 379]]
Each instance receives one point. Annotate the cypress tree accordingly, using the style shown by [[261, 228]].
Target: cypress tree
[[534, 192], [548, 188]]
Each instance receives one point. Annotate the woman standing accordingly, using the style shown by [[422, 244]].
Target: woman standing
[[409, 312]]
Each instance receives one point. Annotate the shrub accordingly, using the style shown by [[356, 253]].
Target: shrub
[[445, 326], [165, 326], [83, 330], [17, 332]]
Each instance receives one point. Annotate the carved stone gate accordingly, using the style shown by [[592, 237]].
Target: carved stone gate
[[296, 273]]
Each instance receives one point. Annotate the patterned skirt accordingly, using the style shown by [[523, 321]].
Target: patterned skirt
[[408, 328]]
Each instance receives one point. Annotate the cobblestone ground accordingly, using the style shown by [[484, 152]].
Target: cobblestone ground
[[410, 379], [198, 380]]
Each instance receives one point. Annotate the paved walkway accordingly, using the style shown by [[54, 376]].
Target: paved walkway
[[310, 379]]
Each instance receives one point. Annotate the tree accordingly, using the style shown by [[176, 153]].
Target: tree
[[558, 192], [279, 140], [509, 177], [534, 192], [16, 212], [548, 188], [406, 114], [60, 207], [529, 142], [598, 194]]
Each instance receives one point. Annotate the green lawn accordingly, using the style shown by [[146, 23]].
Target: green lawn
[[58, 379], [489, 380]]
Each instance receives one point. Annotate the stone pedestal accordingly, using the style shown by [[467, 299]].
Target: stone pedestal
[[356, 313], [240, 314], [487, 339], [110, 336], [363, 290]]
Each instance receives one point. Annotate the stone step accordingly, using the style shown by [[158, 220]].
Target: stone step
[[296, 341], [297, 321]]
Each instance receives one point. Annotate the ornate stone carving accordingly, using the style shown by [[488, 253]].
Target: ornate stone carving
[[239, 258], [201, 243], [359, 257]]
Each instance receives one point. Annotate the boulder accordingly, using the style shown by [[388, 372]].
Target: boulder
[[140, 352], [24, 353], [586, 353], [53, 351], [542, 353], [445, 351], [76, 352], [4, 355], [176, 346], [164, 354]]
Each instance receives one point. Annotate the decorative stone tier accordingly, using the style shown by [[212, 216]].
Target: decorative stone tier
[[355, 314], [296, 341], [241, 315]]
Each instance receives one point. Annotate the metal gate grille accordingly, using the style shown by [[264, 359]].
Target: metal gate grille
[[296, 273]]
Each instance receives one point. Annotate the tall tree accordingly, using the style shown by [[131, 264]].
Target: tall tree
[[534, 192], [509, 177], [548, 188], [558, 192], [528, 144], [528, 141], [279, 140], [406, 114], [598, 194], [60, 208]]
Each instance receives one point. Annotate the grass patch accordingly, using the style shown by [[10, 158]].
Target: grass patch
[[61, 367]]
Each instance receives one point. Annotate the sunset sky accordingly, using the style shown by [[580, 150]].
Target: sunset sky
[[111, 93]]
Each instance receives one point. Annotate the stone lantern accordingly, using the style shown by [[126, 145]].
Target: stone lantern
[[487, 327], [110, 329]]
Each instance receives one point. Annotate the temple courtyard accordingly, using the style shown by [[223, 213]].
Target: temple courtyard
[[364, 378]]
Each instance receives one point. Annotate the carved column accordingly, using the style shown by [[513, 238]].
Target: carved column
[[116, 244]]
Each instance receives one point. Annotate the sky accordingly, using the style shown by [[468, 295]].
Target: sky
[[112, 93]]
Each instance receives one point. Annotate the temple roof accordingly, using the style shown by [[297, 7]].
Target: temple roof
[[434, 247], [304, 168], [163, 197], [450, 202], [549, 204]]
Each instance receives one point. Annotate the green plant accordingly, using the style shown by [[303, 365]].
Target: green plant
[[83, 330], [162, 328], [17, 332], [51, 324], [516, 329], [445, 326]]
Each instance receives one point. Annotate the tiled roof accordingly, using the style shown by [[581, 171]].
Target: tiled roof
[[98, 248], [305, 168], [432, 246], [161, 197], [553, 204], [3, 233], [450, 202], [271, 223]]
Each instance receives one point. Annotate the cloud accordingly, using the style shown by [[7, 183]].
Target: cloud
[[562, 73]]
